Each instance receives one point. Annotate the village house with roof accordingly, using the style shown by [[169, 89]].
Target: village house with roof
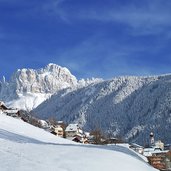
[[75, 133], [8, 111], [57, 130], [2, 106]]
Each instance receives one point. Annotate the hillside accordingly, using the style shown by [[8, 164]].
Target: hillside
[[129, 107], [25, 147]]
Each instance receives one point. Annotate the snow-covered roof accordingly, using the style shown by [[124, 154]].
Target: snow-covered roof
[[87, 134], [2, 104], [11, 111], [60, 122], [136, 145], [43, 123], [71, 127]]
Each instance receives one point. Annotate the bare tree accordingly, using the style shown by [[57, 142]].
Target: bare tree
[[53, 121], [97, 136]]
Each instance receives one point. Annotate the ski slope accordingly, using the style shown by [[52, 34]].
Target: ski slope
[[24, 147]]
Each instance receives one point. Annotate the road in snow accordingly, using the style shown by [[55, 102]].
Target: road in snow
[[24, 147]]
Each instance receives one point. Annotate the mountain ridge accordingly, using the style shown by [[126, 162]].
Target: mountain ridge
[[129, 106], [126, 106]]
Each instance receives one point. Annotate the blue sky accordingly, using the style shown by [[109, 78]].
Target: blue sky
[[92, 38]]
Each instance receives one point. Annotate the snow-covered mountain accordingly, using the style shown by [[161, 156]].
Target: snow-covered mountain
[[28, 87], [129, 106], [24, 147]]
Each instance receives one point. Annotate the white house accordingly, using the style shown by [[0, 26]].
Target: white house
[[58, 130], [72, 130], [75, 133]]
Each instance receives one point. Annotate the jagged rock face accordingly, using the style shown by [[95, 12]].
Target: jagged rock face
[[28, 88], [43, 82], [130, 107], [47, 80]]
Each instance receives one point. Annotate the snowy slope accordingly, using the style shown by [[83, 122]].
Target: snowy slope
[[130, 107], [24, 147]]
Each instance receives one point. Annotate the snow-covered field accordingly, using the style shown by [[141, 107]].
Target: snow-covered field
[[24, 147]]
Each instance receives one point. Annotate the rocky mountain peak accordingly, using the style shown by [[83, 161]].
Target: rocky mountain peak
[[54, 68], [45, 81]]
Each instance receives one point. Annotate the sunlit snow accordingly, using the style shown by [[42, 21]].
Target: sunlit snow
[[24, 147]]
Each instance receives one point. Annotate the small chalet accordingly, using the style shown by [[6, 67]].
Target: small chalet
[[57, 130], [75, 133], [2, 106], [8, 111], [72, 130]]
